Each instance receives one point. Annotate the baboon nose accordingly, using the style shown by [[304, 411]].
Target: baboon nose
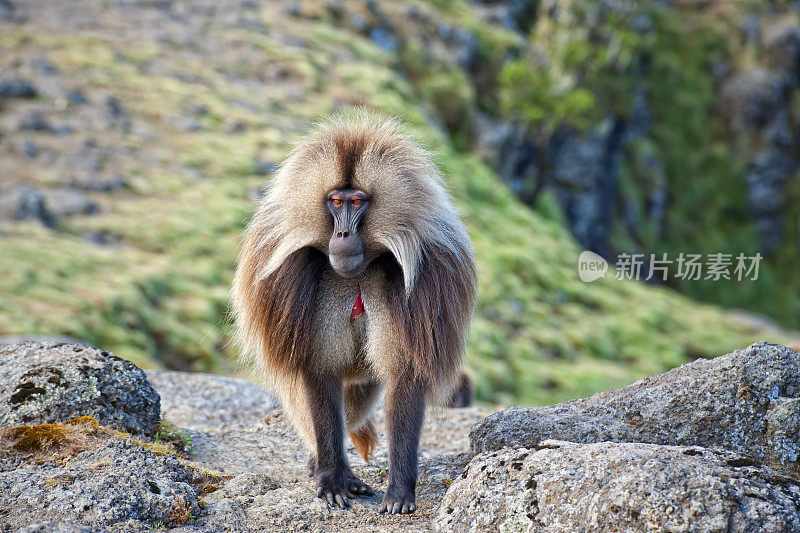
[[345, 242]]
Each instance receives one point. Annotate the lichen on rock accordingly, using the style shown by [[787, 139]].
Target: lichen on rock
[[247, 472], [745, 401], [50, 382], [120, 483], [566, 487]]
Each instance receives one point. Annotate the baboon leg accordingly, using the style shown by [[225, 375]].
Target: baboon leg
[[359, 399], [335, 481], [405, 411], [462, 396]]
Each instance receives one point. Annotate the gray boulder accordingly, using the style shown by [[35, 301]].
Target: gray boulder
[[45, 205], [44, 382], [24, 202], [36, 121], [568, 487], [747, 401], [750, 99], [17, 88], [63, 202], [781, 41], [120, 483], [767, 175]]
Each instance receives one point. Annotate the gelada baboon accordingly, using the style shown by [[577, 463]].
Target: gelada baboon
[[356, 274]]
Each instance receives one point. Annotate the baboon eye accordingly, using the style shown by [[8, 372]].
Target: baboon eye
[[337, 202], [357, 203]]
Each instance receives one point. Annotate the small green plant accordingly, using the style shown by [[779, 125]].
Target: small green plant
[[171, 434]]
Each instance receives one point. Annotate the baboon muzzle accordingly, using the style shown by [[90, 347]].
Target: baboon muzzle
[[346, 248]]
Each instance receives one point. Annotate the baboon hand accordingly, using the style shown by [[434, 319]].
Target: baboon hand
[[332, 487], [358, 487], [338, 488], [398, 500]]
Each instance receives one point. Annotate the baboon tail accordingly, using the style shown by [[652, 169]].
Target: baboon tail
[[365, 439]]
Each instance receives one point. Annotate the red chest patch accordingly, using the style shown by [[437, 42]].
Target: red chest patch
[[358, 306]]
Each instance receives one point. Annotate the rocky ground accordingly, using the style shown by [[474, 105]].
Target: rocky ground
[[237, 430], [246, 470], [564, 486], [710, 446]]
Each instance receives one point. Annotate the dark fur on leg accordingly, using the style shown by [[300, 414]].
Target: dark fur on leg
[[462, 396], [405, 411], [336, 483]]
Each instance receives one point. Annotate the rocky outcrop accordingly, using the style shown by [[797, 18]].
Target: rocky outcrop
[[710, 446], [756, 105], [52, 382], [612, 172], [46, 206], [722, 456], [565, 487], [17, 88], [747, 401], [25, 203], [120, 484]]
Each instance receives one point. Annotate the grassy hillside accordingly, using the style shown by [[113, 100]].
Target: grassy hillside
[[714, 90], [211, 95]]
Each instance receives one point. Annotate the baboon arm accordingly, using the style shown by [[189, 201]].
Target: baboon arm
[[405, 411], [324, 398], [335, 481]]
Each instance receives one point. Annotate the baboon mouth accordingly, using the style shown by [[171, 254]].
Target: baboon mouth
[[347, 265]]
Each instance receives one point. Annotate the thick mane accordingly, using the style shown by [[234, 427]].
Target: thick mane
[[273, 314], [434, 315], [297, 297], [430, 267]]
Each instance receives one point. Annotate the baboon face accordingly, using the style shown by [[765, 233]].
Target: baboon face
[[346, 246]]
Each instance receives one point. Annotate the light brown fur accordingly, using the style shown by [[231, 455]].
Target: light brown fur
[[292, 311]]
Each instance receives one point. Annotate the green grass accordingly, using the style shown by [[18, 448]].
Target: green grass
[[585, 64], [159, 298]]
